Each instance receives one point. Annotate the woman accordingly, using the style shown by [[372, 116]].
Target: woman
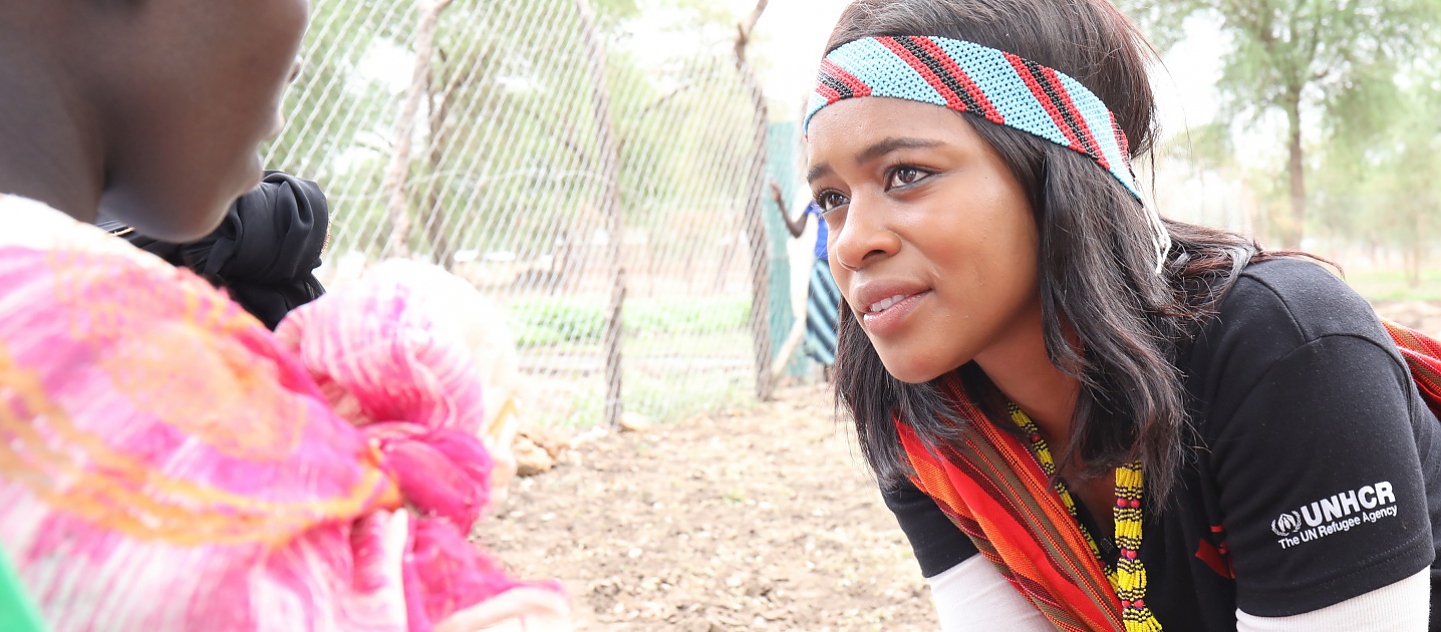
[[1083, 417], [823, 300], [166, 463]]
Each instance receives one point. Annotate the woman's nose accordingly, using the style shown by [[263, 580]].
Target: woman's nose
[[865, 236]]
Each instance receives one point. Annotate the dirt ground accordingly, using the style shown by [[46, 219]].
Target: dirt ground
[[762, 519], [1422, 316], [752, 520]]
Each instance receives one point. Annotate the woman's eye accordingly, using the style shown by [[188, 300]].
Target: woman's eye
[[830, 200], [906, 175]]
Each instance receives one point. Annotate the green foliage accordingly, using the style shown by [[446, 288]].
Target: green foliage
[[705, 19], [686, 316], [581, 320], [1396, 285], [332, 102], [1388, 190], [1162, 20], [517, 161], [1288, 50], [556, 320], [1344, 62], [507, 158]]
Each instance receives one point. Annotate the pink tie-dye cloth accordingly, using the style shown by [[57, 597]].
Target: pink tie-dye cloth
[[168, 464]]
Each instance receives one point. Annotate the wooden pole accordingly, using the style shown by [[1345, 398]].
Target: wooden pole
[[609, 167], [754, 224], [396, 174]]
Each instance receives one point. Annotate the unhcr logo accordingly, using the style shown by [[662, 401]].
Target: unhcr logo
[[1286, 524], [1338, 513]]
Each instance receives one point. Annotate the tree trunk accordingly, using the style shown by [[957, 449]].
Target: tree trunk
[[397, 205], [609, 165], [435, 224], [754, 224], [1295, 228]]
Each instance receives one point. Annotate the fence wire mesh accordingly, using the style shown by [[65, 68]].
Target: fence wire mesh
[[535, 150]]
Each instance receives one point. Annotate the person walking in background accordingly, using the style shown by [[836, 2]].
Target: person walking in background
[[822, 298], [166, 462], [1083, 416]]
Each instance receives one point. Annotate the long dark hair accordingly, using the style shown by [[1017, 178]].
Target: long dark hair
[[1098, 284]]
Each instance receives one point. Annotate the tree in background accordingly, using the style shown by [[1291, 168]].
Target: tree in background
[[506, 155], [1309, 60], [553, 145], [1384, 189]]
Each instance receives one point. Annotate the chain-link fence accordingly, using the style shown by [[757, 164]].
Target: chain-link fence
[[539, 151]]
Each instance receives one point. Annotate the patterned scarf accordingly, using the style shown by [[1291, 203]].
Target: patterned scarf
[[996, 491], [1423, 355], [991, 486]]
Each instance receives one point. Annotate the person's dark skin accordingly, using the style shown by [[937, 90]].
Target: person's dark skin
[[150, 109], [795, 226]]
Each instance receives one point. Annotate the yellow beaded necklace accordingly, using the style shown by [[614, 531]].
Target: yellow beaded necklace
[[1128, 576]]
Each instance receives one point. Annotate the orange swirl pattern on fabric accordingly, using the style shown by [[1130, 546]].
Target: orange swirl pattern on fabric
[[107, 303], [117, 444]]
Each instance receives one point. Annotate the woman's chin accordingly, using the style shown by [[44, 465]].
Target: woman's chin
[[254, 171], [158, 215], [911, 372]]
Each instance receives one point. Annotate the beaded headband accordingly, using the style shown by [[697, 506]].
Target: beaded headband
[[993, 84]]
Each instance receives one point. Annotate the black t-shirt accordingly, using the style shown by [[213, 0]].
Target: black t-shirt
[[1314, 473]]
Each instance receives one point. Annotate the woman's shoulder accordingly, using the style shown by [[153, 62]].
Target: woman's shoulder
[[54, 268], [35, 226], [1276, 312], [1279, 305], [1312, 299], [1299, 398]]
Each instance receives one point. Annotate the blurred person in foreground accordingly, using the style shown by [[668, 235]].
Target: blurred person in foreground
[[265, 251], [166, 463], [1086, 417]]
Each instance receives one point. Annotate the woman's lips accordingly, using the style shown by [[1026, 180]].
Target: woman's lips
[[886, 315]]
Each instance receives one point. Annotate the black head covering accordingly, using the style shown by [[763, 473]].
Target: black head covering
[[265, 250]]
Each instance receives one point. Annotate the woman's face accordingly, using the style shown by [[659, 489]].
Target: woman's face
[[193, 87], [933, 242]]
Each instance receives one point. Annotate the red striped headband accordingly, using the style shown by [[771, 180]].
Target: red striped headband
[[1000, 87]]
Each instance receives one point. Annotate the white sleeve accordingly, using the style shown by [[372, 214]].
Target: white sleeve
[[973, 595], [1401, 607]]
